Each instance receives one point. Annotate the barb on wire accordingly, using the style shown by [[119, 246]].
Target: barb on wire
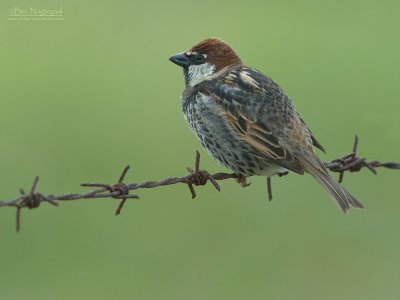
[[352, 163], [349, 162], [196, 177], [118, 190], [31, 200]]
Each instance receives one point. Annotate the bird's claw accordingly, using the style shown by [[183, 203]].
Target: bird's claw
[[242, 180]]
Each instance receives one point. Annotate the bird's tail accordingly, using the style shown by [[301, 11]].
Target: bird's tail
[[342, 197]]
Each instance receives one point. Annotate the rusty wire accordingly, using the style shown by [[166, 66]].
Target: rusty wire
[[196, 177]]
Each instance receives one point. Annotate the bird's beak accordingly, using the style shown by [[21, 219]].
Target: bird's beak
[[181, 59]]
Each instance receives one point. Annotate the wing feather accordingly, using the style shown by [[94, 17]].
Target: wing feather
[[313, 138], [232, 104]]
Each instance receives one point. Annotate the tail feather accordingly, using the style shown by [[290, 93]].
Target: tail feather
[[342, 197]]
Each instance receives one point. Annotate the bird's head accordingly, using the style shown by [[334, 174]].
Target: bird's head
[[205, 59]]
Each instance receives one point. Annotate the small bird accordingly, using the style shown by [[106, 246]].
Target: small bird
[[246, 121]]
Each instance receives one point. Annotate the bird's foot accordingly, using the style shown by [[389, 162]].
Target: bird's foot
[[242, 180]]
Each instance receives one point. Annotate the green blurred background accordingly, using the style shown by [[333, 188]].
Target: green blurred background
[[82, 97]]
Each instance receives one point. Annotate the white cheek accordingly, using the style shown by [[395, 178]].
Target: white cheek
[[199, 73]]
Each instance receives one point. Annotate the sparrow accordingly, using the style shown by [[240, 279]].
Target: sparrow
[[246, 121]]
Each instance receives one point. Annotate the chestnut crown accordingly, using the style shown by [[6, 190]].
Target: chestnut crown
[[204, 59]]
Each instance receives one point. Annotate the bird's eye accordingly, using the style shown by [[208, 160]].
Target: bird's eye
[[199, 59]]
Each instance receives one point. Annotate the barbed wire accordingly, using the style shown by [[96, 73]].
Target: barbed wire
[[196, 177]]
